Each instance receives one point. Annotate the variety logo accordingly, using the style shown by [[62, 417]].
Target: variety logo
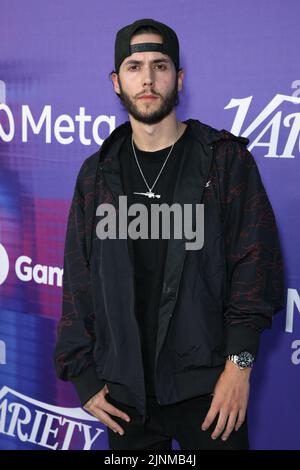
[[46, 426], [2, 92], [293, 304], [296, 352], [2, 352], [26, 271], [273, 125]]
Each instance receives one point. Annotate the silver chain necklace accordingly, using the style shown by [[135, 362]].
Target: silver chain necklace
[[150, 193]]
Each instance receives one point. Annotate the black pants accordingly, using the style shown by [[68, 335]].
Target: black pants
[[181, 421]]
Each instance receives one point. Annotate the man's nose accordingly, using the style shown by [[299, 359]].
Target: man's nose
[[148, 75]]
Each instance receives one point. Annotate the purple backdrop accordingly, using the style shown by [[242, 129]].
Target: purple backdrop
[[57, 105]]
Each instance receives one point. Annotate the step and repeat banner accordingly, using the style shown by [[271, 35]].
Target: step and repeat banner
[[57, 105]]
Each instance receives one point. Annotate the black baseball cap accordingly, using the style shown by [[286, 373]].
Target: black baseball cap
[[123, 49]]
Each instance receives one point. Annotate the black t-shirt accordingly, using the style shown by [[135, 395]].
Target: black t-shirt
[[149, 254]]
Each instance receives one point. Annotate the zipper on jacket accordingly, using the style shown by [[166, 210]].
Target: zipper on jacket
[[132, 273], [180, 274]]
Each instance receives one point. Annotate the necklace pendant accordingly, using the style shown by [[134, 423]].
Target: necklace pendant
[[148, 194]]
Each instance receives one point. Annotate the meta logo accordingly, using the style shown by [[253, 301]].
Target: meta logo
[[27, 271], [46, 426], [62, 128]]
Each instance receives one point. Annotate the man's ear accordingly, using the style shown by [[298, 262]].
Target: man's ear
[[180, 78], [115, 80]]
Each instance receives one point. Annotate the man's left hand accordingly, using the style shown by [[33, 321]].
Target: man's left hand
[[230, 400]]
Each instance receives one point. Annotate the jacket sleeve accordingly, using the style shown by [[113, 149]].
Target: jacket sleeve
[[255, 283], [73, 354]]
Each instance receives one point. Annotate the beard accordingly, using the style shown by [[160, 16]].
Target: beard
[[151, 117]]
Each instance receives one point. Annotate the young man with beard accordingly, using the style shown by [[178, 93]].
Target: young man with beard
[[160, 341]]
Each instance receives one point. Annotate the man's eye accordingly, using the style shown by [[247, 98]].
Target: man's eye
[[160, 66]]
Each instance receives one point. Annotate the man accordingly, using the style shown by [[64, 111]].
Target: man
[[158, 340]]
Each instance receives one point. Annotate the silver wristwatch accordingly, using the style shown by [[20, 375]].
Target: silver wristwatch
[[243, 359]]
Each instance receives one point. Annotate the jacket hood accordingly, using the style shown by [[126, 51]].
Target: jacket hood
[[209, 135]]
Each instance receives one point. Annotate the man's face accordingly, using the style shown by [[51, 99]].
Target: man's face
[[151, 73]]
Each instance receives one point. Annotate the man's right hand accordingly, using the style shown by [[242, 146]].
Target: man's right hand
[[99, 407]]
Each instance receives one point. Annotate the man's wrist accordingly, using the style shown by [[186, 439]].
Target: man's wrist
[[232, 368]]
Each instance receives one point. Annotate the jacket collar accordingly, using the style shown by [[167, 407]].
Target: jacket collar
[[108, 162], [204, 133]]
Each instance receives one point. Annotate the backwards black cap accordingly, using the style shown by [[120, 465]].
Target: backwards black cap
[[123, 49]]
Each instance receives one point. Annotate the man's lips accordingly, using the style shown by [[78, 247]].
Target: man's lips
[[148, 97]]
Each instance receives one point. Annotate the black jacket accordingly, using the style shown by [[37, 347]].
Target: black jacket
[[214, 301]]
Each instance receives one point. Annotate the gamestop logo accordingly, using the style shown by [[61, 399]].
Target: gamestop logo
[[32, 422], [26, 271]]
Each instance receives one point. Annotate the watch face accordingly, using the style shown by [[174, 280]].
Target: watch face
[[245, 359]]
